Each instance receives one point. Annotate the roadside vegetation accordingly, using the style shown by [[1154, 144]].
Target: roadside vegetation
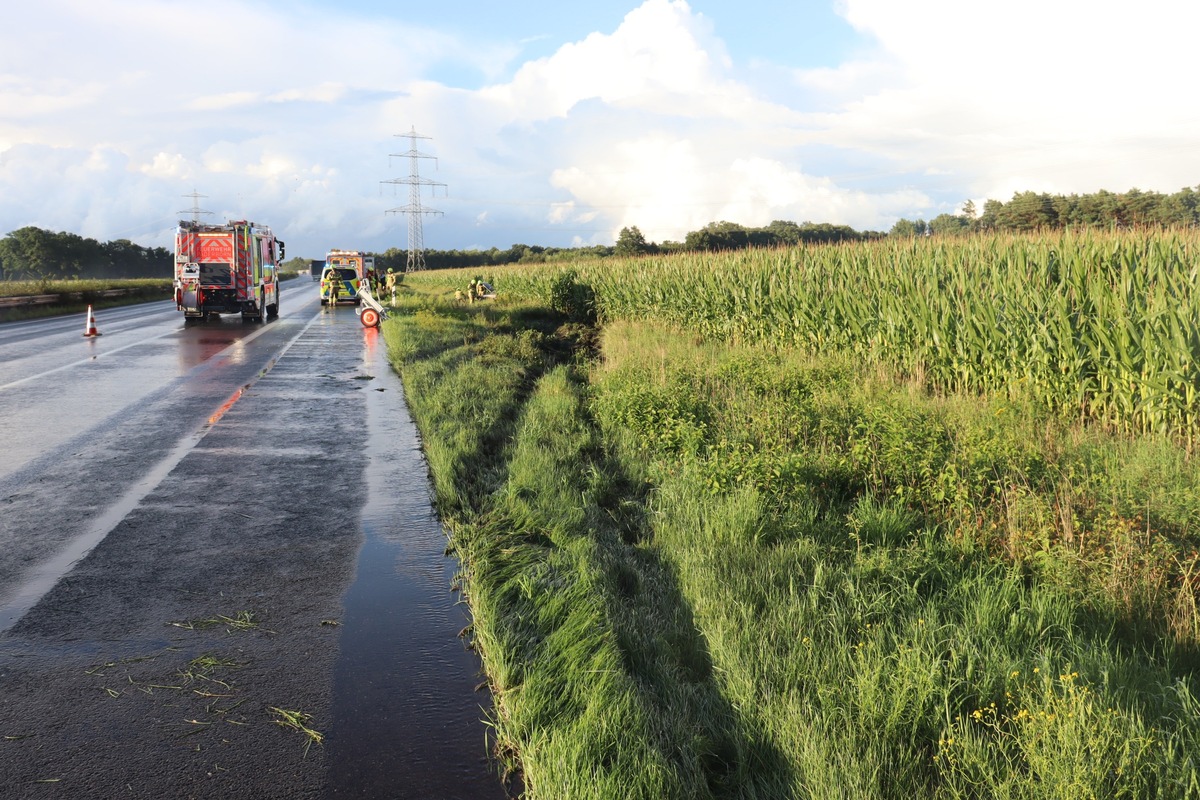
[[871, 520], [87, 287], [74, 296]]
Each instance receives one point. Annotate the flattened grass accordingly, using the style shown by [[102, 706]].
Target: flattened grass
[[602, 687]]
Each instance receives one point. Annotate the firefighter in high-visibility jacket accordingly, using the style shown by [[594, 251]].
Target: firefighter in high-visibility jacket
[[335, 287], [390, 284]]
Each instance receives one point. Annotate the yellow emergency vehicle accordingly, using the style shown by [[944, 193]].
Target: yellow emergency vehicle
[[350, 268]]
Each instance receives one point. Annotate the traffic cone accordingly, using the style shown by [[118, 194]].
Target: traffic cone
[[91, 324]]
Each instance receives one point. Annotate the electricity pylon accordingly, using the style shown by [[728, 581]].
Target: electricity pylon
[[195, 210], [414, 210]]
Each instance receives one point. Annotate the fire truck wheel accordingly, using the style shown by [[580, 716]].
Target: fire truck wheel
[[370, 318]]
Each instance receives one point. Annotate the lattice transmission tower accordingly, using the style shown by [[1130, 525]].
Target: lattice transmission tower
[[196, 211], [415, 211]]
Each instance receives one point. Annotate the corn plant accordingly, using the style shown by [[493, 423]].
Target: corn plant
[[1099, 326]]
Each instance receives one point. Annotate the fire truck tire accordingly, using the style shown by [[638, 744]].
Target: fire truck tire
[[370, 318]]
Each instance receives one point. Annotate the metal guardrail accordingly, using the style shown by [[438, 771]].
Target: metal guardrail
[[26, 300], [19, 301]]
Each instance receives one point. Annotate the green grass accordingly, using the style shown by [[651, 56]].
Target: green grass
[[77, 295], [884, 584], [297, 721], [591, 701], [702, 569]]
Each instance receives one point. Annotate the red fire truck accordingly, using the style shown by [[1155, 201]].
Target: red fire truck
[[227, 269]]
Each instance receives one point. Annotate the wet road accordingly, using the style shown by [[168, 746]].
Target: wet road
[[215, 546]]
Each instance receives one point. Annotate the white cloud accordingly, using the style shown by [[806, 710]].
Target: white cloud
[[560, 212], [324, 92], [1029, 94], [850, 79], [167, 165], [221, 102], [677, 188], [661, 53], [655, 124]]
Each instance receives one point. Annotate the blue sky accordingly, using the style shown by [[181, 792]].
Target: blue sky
[[803, 33], [560, 123]]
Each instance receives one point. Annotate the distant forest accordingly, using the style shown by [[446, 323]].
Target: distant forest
[[1030, 211], [1027, 211], [34, 253]]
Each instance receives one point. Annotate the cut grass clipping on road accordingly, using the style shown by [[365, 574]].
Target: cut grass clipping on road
[[703, 569]]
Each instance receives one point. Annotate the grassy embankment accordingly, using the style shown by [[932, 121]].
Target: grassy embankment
[[76, 295], [720, 565]]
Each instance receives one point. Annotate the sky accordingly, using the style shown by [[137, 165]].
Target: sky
[[558, 124]]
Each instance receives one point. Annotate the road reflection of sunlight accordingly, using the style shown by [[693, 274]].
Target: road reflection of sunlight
[[197, 345], [237, 354], [228, 404], [370, 342], [233, 398]]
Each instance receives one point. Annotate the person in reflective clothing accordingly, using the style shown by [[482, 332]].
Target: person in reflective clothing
[[390, 283], [335, 287]]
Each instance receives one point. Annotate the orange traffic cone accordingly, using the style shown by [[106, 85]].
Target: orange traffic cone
[[91, 324]]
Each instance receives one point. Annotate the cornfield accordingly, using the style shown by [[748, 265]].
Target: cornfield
[[1099, 326]]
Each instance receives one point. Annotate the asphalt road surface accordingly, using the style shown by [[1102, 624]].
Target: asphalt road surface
[[219, 573]]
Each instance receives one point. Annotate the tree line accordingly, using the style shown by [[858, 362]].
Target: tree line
[[35, 254], [1026, 211], [715, 236], [1032, 211]]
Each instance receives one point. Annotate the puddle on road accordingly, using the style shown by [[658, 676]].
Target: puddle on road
[[406, 720]]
